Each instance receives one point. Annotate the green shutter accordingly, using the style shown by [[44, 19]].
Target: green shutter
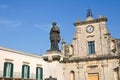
[[93, 47], [4, 72], [11, 71], [89, 47], [36, 73], [41, 72], [28, 72], [23, 71]]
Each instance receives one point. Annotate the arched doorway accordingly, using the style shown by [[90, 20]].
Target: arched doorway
[[72, 75]]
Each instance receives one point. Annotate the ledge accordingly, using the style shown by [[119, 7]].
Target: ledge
[[88, 58], [90, 21]]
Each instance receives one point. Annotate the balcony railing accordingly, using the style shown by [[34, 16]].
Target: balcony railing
[[18, 75], [1, 73]]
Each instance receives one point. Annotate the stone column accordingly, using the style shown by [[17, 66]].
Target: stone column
[[119, 72], [119, 58], [81, 73], [78, 73], [105, 71]]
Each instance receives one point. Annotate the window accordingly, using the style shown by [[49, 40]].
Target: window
[[8, 70], [91, 47], [39, 73], [25, 71]]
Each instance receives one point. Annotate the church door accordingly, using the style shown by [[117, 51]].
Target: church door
[[94, 76]]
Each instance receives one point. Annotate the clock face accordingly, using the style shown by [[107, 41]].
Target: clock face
[[90, 29]]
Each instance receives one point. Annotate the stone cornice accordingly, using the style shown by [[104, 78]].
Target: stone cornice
[[19, 52], [91, 21], [96, 58]]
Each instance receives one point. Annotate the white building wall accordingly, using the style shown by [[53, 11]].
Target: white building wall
[[18, 59]]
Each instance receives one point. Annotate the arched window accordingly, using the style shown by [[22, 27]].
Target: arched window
[[72, 75], [71, 50], [8, 70], [113, 46], [116, 73]]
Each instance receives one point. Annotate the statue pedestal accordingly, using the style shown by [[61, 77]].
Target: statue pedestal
[[50, 78], [53, 56]]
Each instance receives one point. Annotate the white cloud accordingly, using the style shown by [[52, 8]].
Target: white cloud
[[9, 23], [43, 27], [3, 6]]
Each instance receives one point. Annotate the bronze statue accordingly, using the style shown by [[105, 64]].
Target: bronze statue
[[54, 37]]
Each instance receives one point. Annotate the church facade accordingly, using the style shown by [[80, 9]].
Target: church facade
[[93, 54]]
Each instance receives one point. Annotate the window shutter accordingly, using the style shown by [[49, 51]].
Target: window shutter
[[93, 47], [23, 71], [41, 72], [4, 72], [89, 46], [36, 73], [11, 71], [28, 72]]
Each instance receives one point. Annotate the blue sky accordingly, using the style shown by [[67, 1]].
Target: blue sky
[[25, 24]]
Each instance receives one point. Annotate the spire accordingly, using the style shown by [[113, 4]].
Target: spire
[[63, 41], [89, 13]]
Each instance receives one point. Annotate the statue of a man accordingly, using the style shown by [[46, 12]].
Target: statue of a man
[[54, 36]]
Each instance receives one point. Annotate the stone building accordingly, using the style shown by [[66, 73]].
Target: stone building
[[93, 54]]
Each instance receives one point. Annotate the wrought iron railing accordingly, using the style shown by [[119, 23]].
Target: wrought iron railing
[[18, 75], [1, 73]]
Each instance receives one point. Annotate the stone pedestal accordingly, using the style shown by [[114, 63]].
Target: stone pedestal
[[50, 78], [53, 56]]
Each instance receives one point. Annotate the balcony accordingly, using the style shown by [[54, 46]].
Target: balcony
[[1, 74], [17, 76]]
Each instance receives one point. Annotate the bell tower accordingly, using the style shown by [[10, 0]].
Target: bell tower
[[91, 37]]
